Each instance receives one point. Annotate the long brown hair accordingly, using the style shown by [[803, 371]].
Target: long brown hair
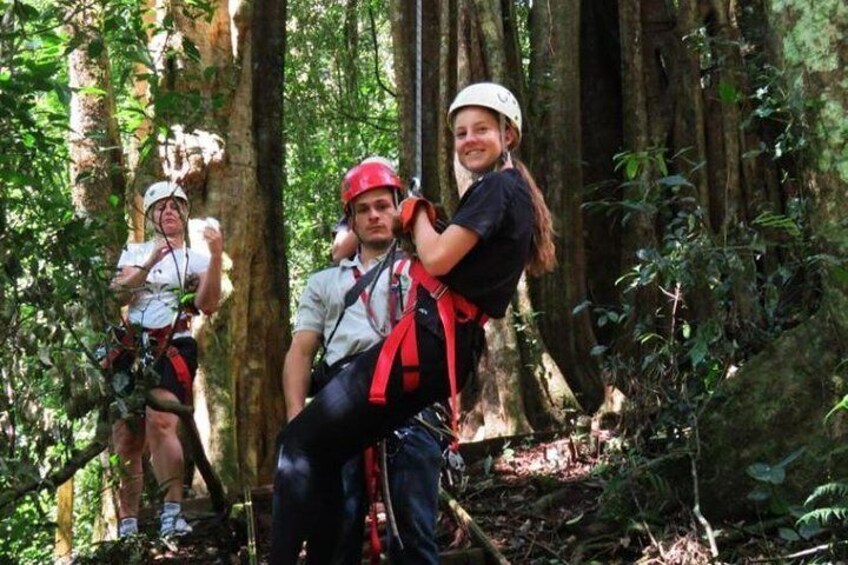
[[543, 256]]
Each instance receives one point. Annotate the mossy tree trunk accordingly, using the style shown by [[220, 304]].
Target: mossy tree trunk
[[776, 403]]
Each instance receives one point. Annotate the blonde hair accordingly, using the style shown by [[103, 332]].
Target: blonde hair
[[543, 254], [182, 206]]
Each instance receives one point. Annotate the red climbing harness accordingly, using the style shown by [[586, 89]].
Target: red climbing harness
[[160, 337], [452, 308]]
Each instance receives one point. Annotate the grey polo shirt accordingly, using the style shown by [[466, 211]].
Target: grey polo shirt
[[322, 303]]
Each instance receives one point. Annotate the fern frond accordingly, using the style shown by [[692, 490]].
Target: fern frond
[[824, 516], [837, 491]]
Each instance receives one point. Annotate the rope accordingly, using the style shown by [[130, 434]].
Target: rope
[[418, 170]]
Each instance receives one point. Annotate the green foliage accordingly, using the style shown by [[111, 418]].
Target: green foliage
[[636, 492], [769, 478], [26, 536], [698, 330], [53, 281], [827, 509], [780, 106], [670, 361], [332, 80]]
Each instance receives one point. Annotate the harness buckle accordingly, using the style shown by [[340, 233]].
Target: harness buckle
[[439, 292]]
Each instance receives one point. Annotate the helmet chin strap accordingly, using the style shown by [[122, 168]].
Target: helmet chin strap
[[506, 156]]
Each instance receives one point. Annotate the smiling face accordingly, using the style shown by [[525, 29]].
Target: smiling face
[[168, 216], [372, 214], [477, 138]]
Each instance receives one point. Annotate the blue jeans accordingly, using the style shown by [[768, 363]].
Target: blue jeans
[[414, 457]]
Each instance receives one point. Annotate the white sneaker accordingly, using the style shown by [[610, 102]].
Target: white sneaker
[[172, 523], [127, 527]]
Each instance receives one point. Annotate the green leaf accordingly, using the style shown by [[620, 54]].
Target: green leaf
[[598, 350], [788, 534], [809, 530], [661, 165], [580, 307], [759, 494], [791, 457], [190, 49], [632, 168], [728, 93], [674, 180], [759, 471], [777, 475], [698, 352]]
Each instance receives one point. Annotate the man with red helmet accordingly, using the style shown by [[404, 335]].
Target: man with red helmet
[[370, 192]]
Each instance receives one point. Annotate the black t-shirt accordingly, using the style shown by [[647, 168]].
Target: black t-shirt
[[497, 208]]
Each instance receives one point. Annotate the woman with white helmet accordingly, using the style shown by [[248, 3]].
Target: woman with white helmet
[[463, 275], [153, 280]]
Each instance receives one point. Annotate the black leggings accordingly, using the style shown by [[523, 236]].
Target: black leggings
[[339, 423]]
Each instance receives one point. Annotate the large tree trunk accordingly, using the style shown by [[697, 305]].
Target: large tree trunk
[[225, 148], [554, 114], [776, 403], [97, 174], [602, 138]]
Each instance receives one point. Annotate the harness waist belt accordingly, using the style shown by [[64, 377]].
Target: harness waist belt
[[451, 307]]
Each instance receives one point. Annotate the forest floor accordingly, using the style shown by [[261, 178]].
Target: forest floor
[[538, 500]]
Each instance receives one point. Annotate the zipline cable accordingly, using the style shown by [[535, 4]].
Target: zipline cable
[[419, 165]]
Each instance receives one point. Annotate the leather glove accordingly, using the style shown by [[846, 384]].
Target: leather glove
[[408, 210]]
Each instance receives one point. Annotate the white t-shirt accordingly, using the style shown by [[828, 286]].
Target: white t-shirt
[[156, 302]]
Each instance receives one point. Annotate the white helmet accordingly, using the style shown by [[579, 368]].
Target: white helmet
[[160, 190], [489, 95]]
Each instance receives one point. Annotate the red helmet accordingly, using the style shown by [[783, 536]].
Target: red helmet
[[370, 174]]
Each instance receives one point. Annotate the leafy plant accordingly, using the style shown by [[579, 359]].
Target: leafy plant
[[827, 509], [769, 478]]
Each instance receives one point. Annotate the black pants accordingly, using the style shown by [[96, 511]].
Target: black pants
[[339, 423]]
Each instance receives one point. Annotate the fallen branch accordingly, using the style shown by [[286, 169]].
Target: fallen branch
[[802, 553], [465, 520], [552, 499], [52, 480], [535, 542]]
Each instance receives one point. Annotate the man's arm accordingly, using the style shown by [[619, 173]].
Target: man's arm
[[344, 244], [297, 370]]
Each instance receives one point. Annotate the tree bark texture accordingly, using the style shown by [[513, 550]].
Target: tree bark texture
[[642, 130], [554, 114], [97, 173], [602, 137]]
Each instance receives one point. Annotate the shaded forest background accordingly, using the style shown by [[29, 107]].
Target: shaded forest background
[[692, 152]]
